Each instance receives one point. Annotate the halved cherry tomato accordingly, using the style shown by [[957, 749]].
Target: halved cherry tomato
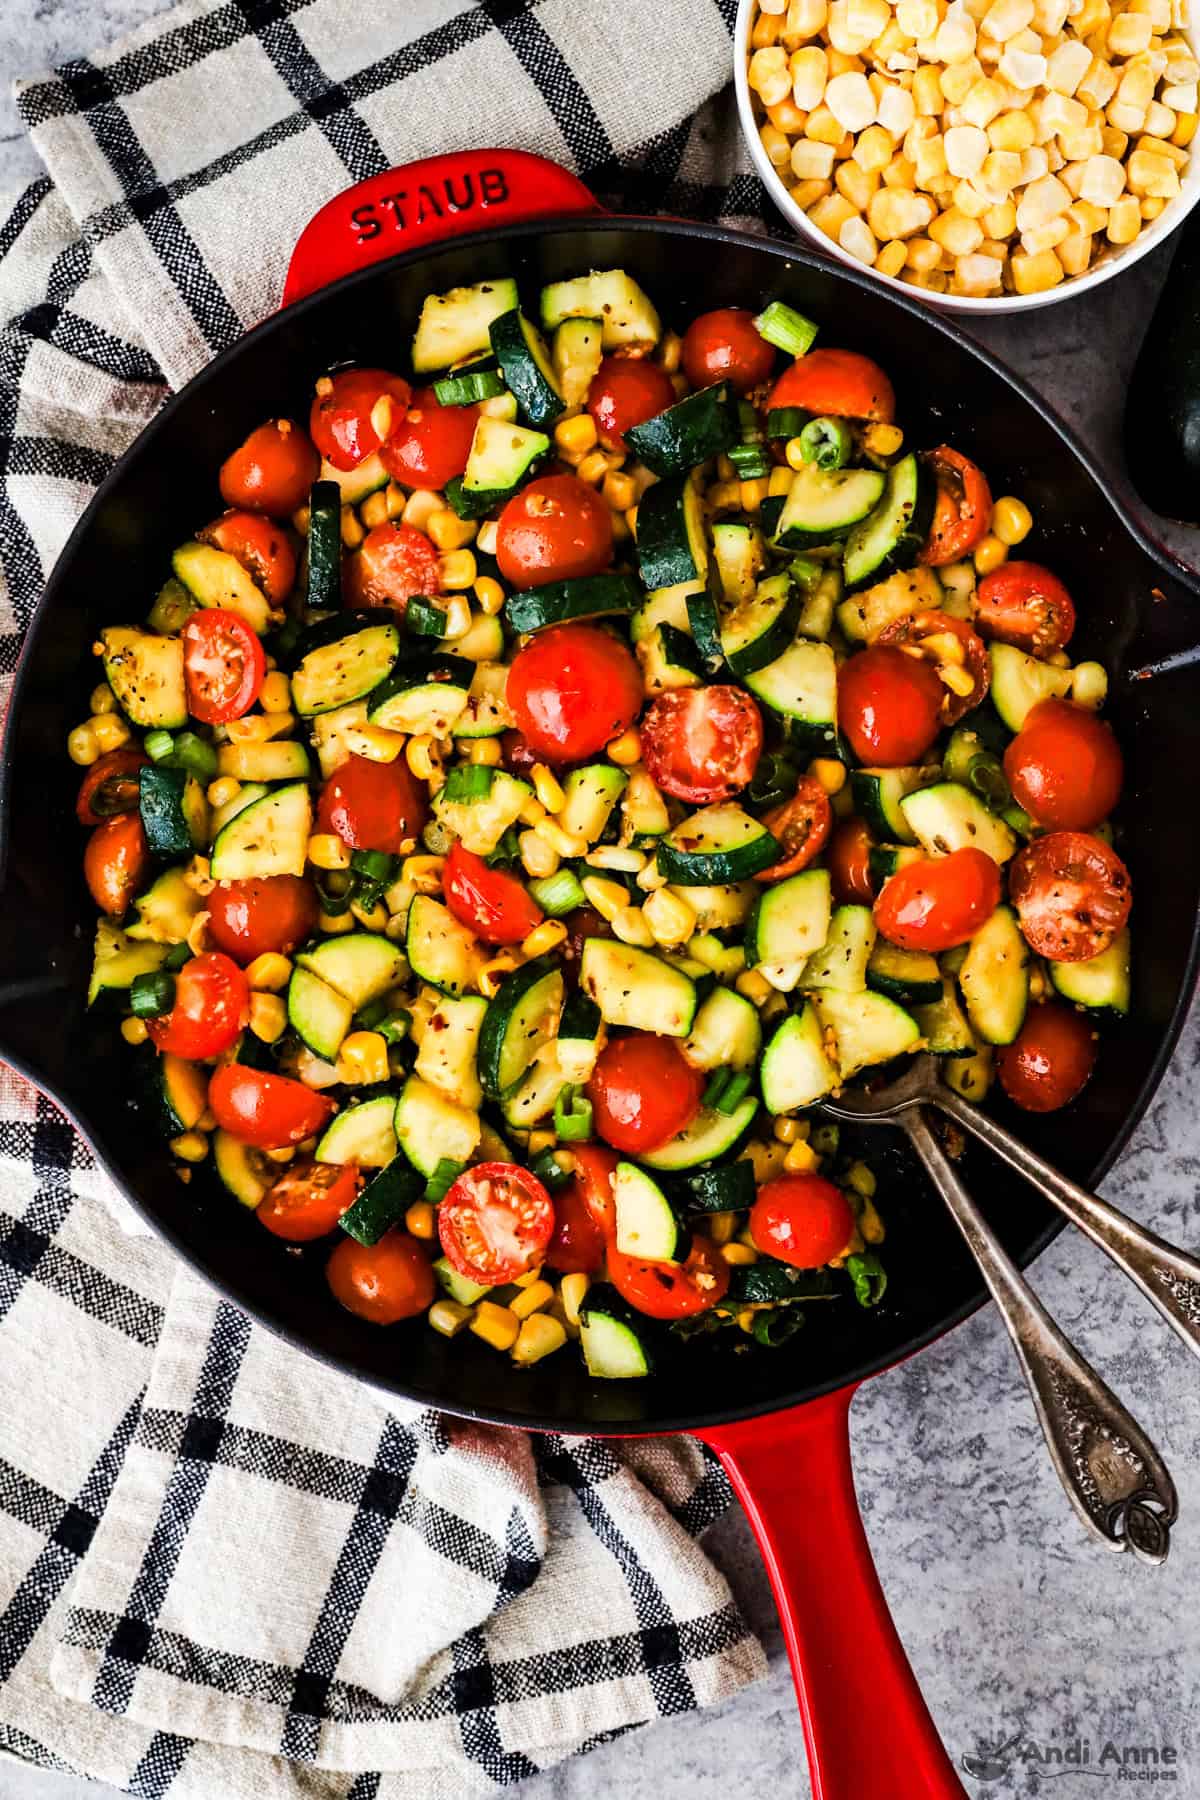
[[1072, 894], [889, 705], [557, 527], [268, 1111], [394, 563], [519, 755], [839, 382], [384, 1282], [671, 1290], [224, 665], [343, 421], [585, 1214], [373, 806], [494, 905], [702, 744], [261, 546], [573, 689], [308, 1199], [936, 904], [272, 471], [110, 786], [802, 825], [1022, 603], [917, 629], [432, 444], [267, 912], [849, 862], [212, 1004], [116, 861], [1050, 1060], [963, 510], [1064, 766], [626, 391], [801, 1219], [643, 1091], [495, 1223], [724, 346]]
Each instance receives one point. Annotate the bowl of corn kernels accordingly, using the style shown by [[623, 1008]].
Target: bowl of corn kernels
[[990, 154]]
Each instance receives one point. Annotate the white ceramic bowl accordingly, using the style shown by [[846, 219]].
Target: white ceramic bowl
[[1110, 263]]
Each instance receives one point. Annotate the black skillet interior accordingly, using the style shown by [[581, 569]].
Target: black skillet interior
[[166, 486]]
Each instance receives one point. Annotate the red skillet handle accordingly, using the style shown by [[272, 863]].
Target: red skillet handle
[[868, 1731], [424, 202]]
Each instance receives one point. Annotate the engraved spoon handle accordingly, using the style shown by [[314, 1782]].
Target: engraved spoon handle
[[1169, 1278], [1114, 1476]]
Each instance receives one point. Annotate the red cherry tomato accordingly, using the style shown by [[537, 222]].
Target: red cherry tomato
[[573, 689], [224, 665], [585, 1213], [495, 1223], [802, 826], [116, 861], [212, 1004], [519, 756], [889, 705], [963, 509], [432, 445], [643, 1091], [394, 563], [110, 786], [555, 528], [917, 629], [1064, 766], [671, 1290], [936, 904], [801, 1219], [494, 905], [1050, 1060], [1023, 604], [582, 924], [702, 744], [272, 912], [384, 1282], [1072, 894], [272, 471], [626, 391], [261, 546], [268, 1111], [308, 1199], [373, 806], [343, 421], [724, 346], [839, 382], [849, 862]]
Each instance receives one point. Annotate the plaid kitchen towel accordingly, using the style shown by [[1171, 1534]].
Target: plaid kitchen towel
[[224, 1569]]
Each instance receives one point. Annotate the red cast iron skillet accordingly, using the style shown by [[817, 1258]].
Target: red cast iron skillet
[[777, 1419]]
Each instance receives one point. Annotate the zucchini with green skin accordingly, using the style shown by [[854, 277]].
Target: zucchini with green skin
[[716, 845], [582, 597], [424, 692], [627, 316], [243, 1171], [867, 1029], [911, 977], [317, 1013], [1099, 983], [145, 673], [646, 1223], [636, 989], [699, 426], [348, 668], [383, 1202], [432, 1129], [361, 965], [479, 822], [613, 1336], [796, 1070], [946, 817], [215, 578], [357, 484], [790, 920], [725, 1033], [440, 950], [822, 506], [167, 910], [324, 547], [759, 630], [501, 456], [801, 685], [842, 961], [173, 607], [177, 1091], [740, 556], [671, 543], [447, 1057], [576, 355], [457, 324], [174, 812], [995, 978], [1020, 681], [268, 837], [891, 536], [729, 1187], [590, 793], [521, 1019], [943, 1024], [363, 1134], [118, 959], [526, 366], [877, 795], [711, 1134]]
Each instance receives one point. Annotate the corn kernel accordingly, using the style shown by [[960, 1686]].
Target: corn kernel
[[268, 1017], [548, 788], [1075, 252], [991, 552], [573, 1291], [891, 258], [630, 925], [82, 746], [110, 731], [490, 596], [1012, 520], [532, 1298], [739, 1255], [543, 938], [1089, 685], [955, 233], [496, 1325], [494, 972], [1124, 221], [486, 752], [800, 1157], [753, 986], [423, 874], [458, 570], [269, 972], [923, 254], [539, 1336], [1185, 129], [191, 1147], [134, 1031], [448, 1317], [102, 700], [895, 213], [671, 920], [362, 1058], [424, 757], [327, 851]]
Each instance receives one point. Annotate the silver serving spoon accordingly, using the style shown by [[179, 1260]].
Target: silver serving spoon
[[1114, 1476]]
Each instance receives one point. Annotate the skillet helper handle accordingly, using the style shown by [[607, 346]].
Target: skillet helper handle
[[866, 1726], [424, 203], [1169, 1278]]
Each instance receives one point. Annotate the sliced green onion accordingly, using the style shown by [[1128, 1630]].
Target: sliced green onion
[[573, 1116], [825, 1138], [468, 781], [443, 1179], [507, 851], [151, 995], [370, 1016], [557, 894], [826, 442], [718, 1081], [195, 755], [749, 421], [334, 894], [176, 956], [158, 745], [786, 421], [376, 865], [425, 617], [466, 389], [985, 774], [775, 779], [1019, 819], [474, 503], [736, 1089], [869, 1277], [750, 461], [396, 1026], [787, 329], [775, 1325], [768, 514], [549, 1171]]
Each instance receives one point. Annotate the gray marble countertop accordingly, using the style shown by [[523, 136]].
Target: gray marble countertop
[[1013, 1621]]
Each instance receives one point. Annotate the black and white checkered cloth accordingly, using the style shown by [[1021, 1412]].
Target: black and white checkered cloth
[[225, 1570]]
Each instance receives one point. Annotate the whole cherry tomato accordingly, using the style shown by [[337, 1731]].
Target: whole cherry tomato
[[802, 826], [1064, 766], [626, 391], [850, 864], [801, 1219], [348, 422], [930, 632], [212, 1004], [261, 546], [643, 1091], [385, 1282], [432, 444], [224, 665], [585, 1213], [373, 806], [116, 862], [962, 511], [724, 346], [889, 705], [1072, 894], [839, 382], [702, 744], [110, 786], [394, 563], [268, 1111], [308, 1199], [1050, 1059], [573, 689], [272, 471], [1023, 604], [495, 1223], [671, 1290], [267, 912], [938, 903], [556, 528], [494, 905]]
